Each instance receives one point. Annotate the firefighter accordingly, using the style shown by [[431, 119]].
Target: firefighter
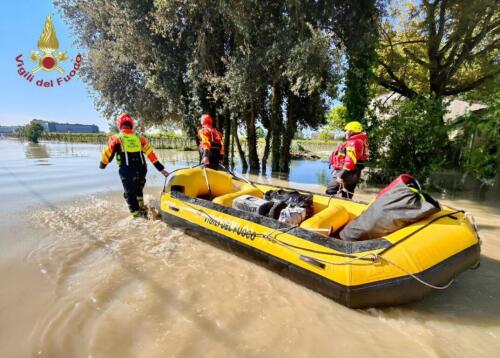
[[210, 143], [348, 160], [130, 148]]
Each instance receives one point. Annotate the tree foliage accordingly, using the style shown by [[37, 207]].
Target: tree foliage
[[438, 48], [480, 140], [32, 131], [246, 62], [337, 118], [412, 140], [360, 39]]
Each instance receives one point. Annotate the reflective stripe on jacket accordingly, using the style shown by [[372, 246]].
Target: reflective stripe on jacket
[[126, 143], [352, 152], [210, 139]]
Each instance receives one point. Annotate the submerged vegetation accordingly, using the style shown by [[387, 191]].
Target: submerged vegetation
[[32, 132]]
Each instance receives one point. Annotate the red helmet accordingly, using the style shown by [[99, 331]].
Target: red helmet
[[124, 118], [206, 120]]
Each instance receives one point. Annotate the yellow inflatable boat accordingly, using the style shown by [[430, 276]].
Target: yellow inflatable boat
[[400, 267]]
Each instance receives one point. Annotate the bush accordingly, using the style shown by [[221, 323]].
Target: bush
[[413, 140], [324, 136], [32, 131], [481, 145]]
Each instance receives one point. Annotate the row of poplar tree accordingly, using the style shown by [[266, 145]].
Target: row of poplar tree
[[247, 62], [276, 64]]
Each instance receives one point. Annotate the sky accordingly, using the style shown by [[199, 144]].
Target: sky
[[21, 101]]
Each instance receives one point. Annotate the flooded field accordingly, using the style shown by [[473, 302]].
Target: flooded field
[[80, 278]]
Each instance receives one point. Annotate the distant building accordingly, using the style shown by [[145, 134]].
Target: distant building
[[455, 109], [53, 127], [455, 115], [8, 129]]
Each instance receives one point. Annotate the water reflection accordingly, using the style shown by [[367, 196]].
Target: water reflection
[[36, 151], [446, 185], [97, 273]]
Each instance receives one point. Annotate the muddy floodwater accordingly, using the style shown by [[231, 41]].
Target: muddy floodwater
[[80, 278]]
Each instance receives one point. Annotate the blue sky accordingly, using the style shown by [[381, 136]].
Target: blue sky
[[20, 101]]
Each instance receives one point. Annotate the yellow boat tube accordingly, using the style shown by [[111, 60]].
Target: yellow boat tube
[[397, 268]]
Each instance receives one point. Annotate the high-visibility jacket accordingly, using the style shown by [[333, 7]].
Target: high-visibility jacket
[[350, 154], [210, 141], [129, 148]]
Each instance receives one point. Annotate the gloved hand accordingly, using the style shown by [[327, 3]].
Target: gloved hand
[[205, 161], [165, 173]]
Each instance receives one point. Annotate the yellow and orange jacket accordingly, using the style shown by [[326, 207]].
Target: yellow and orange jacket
[[350, 154], [210, 140], [116, 144]]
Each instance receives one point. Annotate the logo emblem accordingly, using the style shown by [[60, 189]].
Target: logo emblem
[[48, 59], [48, 44]]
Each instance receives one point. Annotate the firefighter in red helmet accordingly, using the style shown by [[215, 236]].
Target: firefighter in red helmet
[[210, 139], [129, 148]]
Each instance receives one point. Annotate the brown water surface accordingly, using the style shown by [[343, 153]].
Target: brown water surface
[[79, 278]]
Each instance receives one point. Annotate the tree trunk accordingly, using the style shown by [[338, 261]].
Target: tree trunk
[[264, 118], [232, 152], [288, 134], [244, 163], [253, 157], [267, 150], [276, 127], [227, 136]]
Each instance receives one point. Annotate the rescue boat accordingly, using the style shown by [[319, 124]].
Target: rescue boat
[[401, 267]]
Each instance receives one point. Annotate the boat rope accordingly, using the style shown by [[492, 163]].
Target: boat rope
[[468, 215], [444, 287], [204, 169], [420, 229], [275, 239], [343, 189], [370, 257], [238, 176]]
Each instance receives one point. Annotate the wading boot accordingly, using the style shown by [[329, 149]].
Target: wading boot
[[136, 214]]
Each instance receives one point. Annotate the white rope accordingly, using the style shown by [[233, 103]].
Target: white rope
[[238, 176], [416, 277], [343, 189], [373, 258], [468, 216], [206, 180]]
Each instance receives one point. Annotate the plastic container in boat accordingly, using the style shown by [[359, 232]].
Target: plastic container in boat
[[252, 204]]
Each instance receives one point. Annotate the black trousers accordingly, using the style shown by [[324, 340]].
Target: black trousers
[[214, 158], [350, 181], [133, 180]]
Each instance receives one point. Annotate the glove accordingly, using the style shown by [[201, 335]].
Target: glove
[[165, 173], [205, 161]]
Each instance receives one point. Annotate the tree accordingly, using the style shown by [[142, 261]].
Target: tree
[[32, 131], [429, 50], [413, 140], [439, 48], [479, 142], [360, 39], [260, 133], [337, 118], [247, 62]]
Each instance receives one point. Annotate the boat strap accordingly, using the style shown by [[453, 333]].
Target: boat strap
[[371, 257], [420, 229]]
